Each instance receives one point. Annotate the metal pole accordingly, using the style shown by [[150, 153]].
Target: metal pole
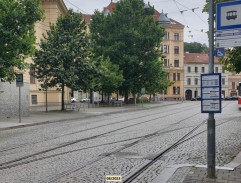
[[211, 121], [19, 104], [46, 100]]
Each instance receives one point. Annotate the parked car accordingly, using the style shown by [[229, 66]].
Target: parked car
[[84, 100], [234, 98], [227, 98], [196, 99], [73, 100]]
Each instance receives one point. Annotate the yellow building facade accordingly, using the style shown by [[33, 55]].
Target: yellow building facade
[[53, 9], [173, 50]]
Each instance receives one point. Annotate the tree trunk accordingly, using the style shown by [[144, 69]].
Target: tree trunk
[[126, 97], [134, 98], [102, 97], [62, 106], [117, 95], [150, 98]]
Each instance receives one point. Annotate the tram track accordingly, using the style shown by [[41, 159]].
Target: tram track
[[11, 164], [86, 130], [84, 139]]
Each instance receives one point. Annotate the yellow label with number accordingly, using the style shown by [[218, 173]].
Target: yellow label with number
[[113, 178]]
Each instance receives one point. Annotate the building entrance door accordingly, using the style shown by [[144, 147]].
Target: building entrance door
[[188, 94]]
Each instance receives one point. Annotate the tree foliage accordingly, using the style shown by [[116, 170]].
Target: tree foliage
[[111, 77], [195, 47], [64, 55], [17, 38], [130, 38], [232, 60]]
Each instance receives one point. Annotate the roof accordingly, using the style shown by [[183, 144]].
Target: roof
[[156, 16], [198, 58], [87, 17], [110, 7]]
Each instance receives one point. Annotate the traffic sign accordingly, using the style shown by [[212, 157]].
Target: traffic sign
[[211, 93], [230, 34], [220, 52], [19, 79], [228, 43], [229, 15]]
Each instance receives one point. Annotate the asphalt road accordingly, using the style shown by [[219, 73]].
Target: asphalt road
[[120, 144]]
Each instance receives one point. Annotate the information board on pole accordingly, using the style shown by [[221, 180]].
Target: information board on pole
[[211, 93], [19, 80]]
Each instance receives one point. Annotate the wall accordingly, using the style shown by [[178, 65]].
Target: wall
[[9, 100]]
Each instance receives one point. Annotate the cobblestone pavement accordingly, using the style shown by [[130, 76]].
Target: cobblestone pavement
[[199, 175], [86, 150]]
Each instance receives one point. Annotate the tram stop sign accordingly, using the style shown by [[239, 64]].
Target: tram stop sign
[[19, 80]]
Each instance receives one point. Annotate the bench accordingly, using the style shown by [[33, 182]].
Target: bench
[[117, 103], [74, 106]]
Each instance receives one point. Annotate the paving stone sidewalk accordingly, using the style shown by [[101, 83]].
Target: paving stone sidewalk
[[199, 175]]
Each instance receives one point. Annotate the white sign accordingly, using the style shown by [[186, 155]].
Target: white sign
[[211, 105], [210, 80], [209, 93], [228, 43], [230, 34], [228, 15], [231, 15]]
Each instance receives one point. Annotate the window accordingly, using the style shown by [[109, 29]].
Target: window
[[178, 77], [189, 81], [166, 36], [223, 81], [174, 76], [233, 73], [176, 36], [174, 90], [233, 85], [176, 63], [196, 81], [34, 99], [189, 69], [168, 76], [165, 62], [216, 69], [203, 69], [32, 79], [166, 49], [223, 71], [178, 90], [196, 69], [176, 49]]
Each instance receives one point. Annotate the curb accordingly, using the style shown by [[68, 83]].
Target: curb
[[76, 118]]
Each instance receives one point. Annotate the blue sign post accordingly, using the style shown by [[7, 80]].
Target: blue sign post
[[229, 15], [220, 52]]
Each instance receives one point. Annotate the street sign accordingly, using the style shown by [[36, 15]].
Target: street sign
[[227, 43], [229, 15], [211, 93], [143, 91], [230, 34], [220, 52], [19, 80]]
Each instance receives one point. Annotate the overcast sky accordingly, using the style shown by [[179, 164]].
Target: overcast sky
[[196, 24]]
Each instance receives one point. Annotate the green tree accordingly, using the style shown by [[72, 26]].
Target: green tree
[[157, 82], [130, 38], [195, 47], [232, 60], [17, 38], [111, 77], [64, 55]]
